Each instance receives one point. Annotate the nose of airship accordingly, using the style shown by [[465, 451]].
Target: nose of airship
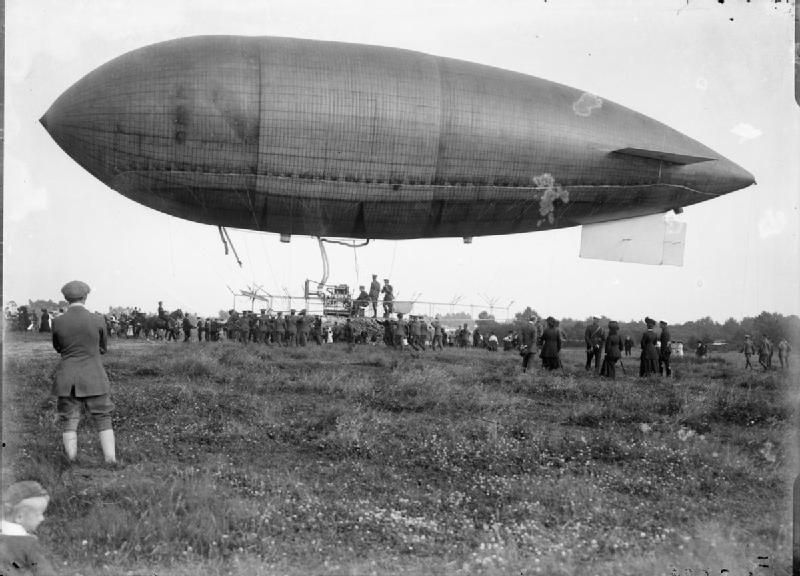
[[71, 123], [729, 176], [713, 175]]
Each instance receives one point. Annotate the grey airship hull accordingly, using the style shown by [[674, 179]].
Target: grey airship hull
[[332, 139]]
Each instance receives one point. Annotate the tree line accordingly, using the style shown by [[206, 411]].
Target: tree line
[[729, 335]]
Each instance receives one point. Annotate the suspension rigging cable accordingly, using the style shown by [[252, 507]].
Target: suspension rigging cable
[[226, 239]]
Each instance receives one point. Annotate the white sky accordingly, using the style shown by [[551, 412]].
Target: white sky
[[720, 73]]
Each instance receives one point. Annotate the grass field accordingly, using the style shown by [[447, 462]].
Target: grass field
[[258, 460]]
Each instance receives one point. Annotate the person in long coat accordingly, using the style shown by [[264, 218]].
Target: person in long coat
[[44, 322], [649, 359], [80, 379], [550, 341], [613, 351]]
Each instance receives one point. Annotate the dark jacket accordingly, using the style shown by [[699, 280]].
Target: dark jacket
[[551, 343], [664, 339], [648, 343], [23, 555], [614, 345], [80, 337]]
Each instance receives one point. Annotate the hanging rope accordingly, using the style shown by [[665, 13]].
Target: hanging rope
[[226, 239], [343, 243], [355, 262], [394, 253], [222, 237]]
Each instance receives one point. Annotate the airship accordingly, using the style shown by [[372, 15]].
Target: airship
[[333, 139]]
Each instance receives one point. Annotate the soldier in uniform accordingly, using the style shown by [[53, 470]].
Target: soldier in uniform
[[783, 353], [349, 334], [550, 341], [666, 350], [477, 338], [594, 337], [628, 345], [80, 379], [374, 292], [303, 327], [437, 334], [291, 329], [187, 328], [765, 353], [316, 330], [161, 312], [201, 327], [748, 348], [401, 332], [361, 302], [648, 363], [388, 296], [279, 330], [423, 332], [530, 337], [388, 331]]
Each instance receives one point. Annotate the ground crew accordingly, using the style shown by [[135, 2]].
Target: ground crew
[[530, 337], [765, 353], [437, 334], [628, 345], [749, 348], [187, 328], [594, 337], [374, 292], [291, 329], [361, 303], [279, 330], [648, 363], [388, 296], [401, 332], [783, 353], [666, 350]]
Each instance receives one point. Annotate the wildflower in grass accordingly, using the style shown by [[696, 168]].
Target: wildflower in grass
[[767, 451]]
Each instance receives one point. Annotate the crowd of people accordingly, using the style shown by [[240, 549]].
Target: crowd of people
[[81, 385]]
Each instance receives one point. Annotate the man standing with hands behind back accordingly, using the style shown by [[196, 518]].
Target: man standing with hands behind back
[[80, 379], [374, 292]]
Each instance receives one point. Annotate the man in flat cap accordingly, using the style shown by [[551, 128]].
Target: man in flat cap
[[24, 504], [80, 379]]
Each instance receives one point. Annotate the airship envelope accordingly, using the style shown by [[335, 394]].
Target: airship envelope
[[333, 139]]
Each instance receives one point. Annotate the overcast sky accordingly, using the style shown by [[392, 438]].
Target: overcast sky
[[720, 73]]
